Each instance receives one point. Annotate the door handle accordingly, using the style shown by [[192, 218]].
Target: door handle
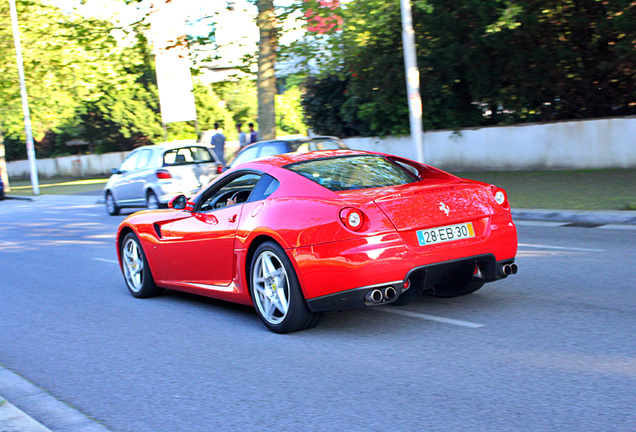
[[232, 219]]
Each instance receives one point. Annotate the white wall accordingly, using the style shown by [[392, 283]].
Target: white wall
[[590, 144], [69, 166]]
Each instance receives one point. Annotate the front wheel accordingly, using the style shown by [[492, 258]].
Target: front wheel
[[276, 291], [152, 202], [111, 206], [136, 270]]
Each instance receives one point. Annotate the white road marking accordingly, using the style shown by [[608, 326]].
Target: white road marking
[[560, 248], [88, 214], [106, 260], [429, 317]]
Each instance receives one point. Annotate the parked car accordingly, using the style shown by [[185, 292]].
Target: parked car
[[263, 149], [297, 235], [151, 175], [2, 195]]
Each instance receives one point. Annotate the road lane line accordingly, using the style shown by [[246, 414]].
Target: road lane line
[[429, 317], [560, 248], [107, 260]]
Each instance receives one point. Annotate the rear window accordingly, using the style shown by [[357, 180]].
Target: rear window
[[187, 155], [353, 172]]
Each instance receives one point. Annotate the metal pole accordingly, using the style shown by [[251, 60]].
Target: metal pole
[[412, 79], [25, 103]]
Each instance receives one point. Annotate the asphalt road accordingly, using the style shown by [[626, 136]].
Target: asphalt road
[[550, 349]]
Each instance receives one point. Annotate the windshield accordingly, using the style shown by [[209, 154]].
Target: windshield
[[353, 172]]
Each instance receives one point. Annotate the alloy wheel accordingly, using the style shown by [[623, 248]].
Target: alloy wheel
[[271, 287], [133, 265]]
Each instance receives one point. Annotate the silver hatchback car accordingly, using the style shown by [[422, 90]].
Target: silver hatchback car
[[152, 175]]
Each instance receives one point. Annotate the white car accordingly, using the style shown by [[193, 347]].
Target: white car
[[152, 175]]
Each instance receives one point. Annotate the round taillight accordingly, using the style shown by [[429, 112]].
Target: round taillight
[[500, 197], [352, 218]]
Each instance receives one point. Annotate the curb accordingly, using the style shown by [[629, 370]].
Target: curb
[[594, 217], [58, 416], [8, 197], [13, 419]]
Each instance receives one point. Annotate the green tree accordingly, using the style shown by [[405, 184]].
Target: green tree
[[481, 62], [63, 62]]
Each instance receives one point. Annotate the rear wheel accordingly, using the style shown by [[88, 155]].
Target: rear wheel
[[111, 206], [276, 291], [136, 270], [152, 202]]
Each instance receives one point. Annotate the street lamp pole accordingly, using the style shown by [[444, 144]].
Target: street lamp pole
[[412, 78], [25, 104]]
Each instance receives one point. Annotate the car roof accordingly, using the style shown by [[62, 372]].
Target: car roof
[[291, 140]]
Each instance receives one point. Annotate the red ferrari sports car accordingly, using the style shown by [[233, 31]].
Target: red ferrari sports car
[[297, 235]]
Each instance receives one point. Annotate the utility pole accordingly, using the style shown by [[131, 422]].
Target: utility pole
[[25, 103], [412, 78]]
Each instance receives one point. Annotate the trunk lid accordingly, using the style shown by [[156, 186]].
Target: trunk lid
[[421, 205]]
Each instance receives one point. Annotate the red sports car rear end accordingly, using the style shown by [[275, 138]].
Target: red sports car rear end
[[298, 235]]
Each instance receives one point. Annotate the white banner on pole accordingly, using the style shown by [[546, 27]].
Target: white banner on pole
[[172, 63]]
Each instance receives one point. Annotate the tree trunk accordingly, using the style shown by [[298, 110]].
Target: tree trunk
[[266, 74]]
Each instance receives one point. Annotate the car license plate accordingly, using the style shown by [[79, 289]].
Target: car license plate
[[445, 233]]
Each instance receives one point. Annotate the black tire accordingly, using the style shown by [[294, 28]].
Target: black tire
[[111, 205], [276, 292], [135, 268], [152, 202]]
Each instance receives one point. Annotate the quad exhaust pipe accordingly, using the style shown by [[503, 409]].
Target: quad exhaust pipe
[[509, 269], [380, 295]]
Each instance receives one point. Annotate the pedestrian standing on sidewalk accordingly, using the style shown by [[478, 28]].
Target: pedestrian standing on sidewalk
[[218, 142], [242, 136], [253, 134]]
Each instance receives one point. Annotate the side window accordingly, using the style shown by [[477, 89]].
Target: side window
[[130, 162], [235, 190], [144, 159], [264, 188], [304, 148]]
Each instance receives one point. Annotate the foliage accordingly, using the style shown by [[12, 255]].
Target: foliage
[[482, 62], [323, 106], [59, 70], [240, 99], [289, 118]]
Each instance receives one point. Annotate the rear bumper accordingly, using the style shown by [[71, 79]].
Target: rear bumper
[[418, 280], [340, 275]]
